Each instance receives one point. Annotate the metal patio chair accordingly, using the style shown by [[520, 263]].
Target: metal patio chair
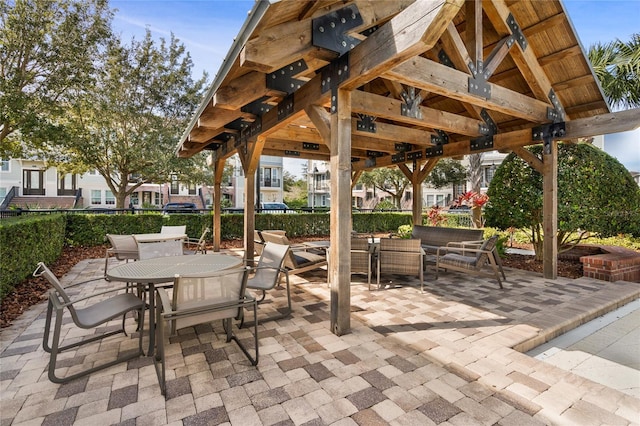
[[199, 299], [88, 317]]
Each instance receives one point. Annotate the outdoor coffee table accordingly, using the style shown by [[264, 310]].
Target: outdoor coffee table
[[158, 237], [159, 270]]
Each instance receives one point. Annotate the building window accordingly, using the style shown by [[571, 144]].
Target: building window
[[3, 194], [488, 175], [429, 200], [133, 199], [109, 198], [440, 200], [93, 172], [175, 185], [33, 182], [270, 177], [192, 189], [407, 196], [158, 199], [96, 196], [66, 184], [4, 165]]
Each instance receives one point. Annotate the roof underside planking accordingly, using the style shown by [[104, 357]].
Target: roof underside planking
[[430, 79]]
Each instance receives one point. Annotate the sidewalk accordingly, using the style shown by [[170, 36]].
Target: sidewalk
[[451, 356]]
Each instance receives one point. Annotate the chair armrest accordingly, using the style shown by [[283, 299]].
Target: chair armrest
[[471, 244], [80, 299]]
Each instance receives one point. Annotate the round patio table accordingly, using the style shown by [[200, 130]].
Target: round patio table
[[150, 272]]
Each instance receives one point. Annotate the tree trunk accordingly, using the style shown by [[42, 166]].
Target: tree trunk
[[475, 172], [476, 217]]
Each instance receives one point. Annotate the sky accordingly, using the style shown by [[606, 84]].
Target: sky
[[207, 28]]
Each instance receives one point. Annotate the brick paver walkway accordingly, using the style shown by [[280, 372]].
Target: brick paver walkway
[[450, 356]]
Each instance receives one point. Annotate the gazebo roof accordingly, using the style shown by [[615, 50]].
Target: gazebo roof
[[429, 79]]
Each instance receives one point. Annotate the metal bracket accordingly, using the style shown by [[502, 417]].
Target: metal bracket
[[311, 146], [330, 31], [370, 162], [370, 31], [555, 114], [547, 133], [375, 154], [445, 60], [212, 146], [403, 147], [398, 158], [285, 108], [478, 84], [366, 123], [411, 105], [481, 143], [414, 155], [491, 125], [433, 151], [251, 129], [554, 130], [517, 32], [441, 139], [292, 153], [282, 79], [257, 107], [332, 75]]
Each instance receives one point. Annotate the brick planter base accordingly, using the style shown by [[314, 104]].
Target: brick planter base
[[612, 264]]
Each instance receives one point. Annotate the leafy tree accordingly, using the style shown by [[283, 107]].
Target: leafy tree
[[389, 180], [447, 172], [617, 65], [128, 123], [295, 189], [47, 51], [595, 194]]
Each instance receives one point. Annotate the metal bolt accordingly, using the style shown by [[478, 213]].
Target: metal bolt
[[332, 24], [290, 68], [343, 20], [344, 43], [353, 15]]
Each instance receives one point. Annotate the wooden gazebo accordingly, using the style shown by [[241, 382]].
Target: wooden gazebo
[[402, 83]]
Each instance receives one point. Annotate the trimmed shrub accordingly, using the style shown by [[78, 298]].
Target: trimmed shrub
[[24, 242]]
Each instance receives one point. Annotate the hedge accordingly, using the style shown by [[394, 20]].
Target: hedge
[[26, 241]]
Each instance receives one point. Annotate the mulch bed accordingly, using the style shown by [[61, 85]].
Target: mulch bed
[[33, 290]]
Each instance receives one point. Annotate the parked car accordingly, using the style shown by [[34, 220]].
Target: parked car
[[275, 208], [179, 208]]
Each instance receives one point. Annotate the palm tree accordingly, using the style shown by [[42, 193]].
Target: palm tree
[[617, 65]]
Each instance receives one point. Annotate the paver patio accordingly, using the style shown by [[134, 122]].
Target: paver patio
[[442, 357]]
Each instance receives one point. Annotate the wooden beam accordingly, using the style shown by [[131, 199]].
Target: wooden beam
[[392, 132], [473, 30], [410, 33], [241, 91], [497, 11], [282, 44], [340, 244], [615, 122], [529, 158], [380, 106], [218, 170], [550, 210], [437, 78], [322, 120]]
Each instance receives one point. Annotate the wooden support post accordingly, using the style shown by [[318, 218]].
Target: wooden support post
[[249, 215], [416, 208], [217, 206], [550, 209], [340, 244], [250, 158]]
